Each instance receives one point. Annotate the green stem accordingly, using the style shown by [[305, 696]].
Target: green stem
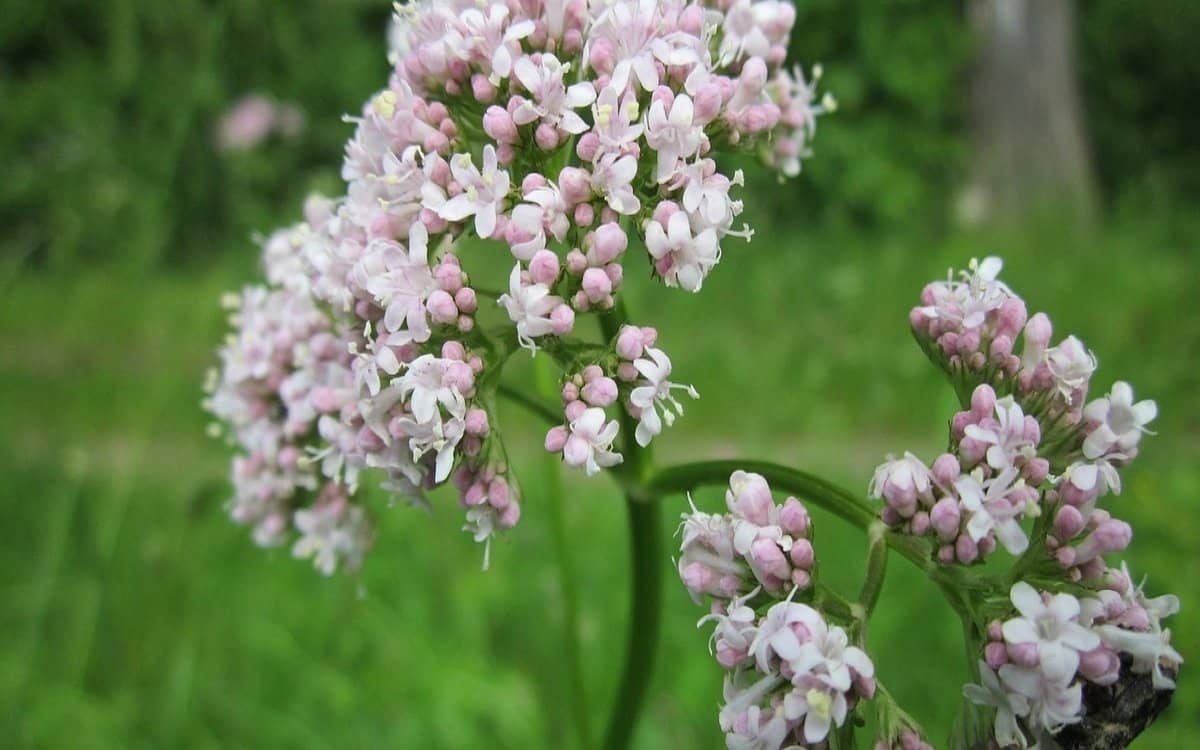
[[532, 405], [552, 483], [646, 568], [877, 556], [642, 640]]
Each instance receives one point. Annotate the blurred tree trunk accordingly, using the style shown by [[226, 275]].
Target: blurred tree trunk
[[1030, 152]]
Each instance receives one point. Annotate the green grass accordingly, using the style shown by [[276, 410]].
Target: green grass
[[137, 616]]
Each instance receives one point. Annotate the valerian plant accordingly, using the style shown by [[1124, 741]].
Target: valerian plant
[[567, 134]]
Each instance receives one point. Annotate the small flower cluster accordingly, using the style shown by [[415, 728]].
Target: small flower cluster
[[792, 676], [1036, 662], [1041, 448], [560, 131], [637, 377]]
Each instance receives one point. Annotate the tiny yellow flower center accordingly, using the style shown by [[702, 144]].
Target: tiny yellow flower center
[[385, 104], [472, 193], [819, 703], [604, 115]]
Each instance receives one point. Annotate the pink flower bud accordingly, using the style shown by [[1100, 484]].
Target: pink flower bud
[[749, 497], [945, 517], [575, 410], [544, 267], [482, 88], [983, 401], [995, 630], [596, 284], [629, 343], [664, 211], [441, 307], [575, 185], [465, 301], [585, 214], [1036, 470], [563, 320], [995, 654], [587, 147], [608, 242], [1038, 332], [556, 438], [476, 422], [576, 263], [454, 350], [728, 656], [794, 518], [920, 523], [600, 392], [546, 137], [1011, 317], [474, 495], [1100, 665], [946, 469], [1068, 522], [1111, 535], [801, 553], [627, 372], [966, 550], [768, 558]]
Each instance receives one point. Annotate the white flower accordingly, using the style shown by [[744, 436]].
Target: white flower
[[529, 306], [1119, 421], [908, 476], [1007, 439], [553, 102], [1149, 650], [612, 177], [987, 502], [544, 211], [691, 257], [427, 384], [590, 442], [653, 392], [332, 531], [1053, 703], [492, 37], [1072, 366], [1008, 704], [399, 280], [483, 191], [615, 120], [1053, 626], [969, 301], [672, 134]]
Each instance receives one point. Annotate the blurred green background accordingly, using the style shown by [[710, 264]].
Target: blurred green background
[[136, 615]]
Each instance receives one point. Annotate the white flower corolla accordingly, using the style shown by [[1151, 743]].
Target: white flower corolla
[[1007, 703], [687, 258], [529, 307], [1053, 703], [653, 392], [969, 301], [673, 134], [553, 102], [590, 443], [1051, 623], [1072, 365], [399, 280], [332, 532], [615, 120], [612, 178], [484, 191], [991, 509], [1006, 439], [1119, 422]]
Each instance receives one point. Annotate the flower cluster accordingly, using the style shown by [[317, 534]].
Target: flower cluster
[[792, 676], [1039, 448], [1036, 662], [561, 132]]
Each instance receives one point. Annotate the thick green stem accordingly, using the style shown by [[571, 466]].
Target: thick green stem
[[553, 491], [646, 569], [646, 573]]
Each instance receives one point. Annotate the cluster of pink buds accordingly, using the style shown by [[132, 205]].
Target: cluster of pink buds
[[635, 379], [792, 676], [1038, 449], [1036, 662], [561, 133], [755, 544], [971, 327]]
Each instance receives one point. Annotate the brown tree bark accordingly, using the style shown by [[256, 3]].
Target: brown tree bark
[[1030, 153]]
